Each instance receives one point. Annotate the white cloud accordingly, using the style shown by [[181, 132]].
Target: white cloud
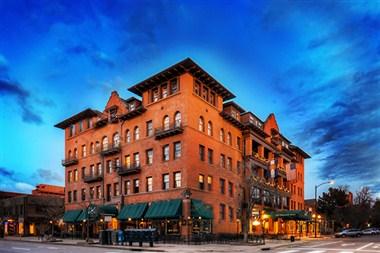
[[24, 187]]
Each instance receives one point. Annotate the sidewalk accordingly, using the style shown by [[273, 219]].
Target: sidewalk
[[161, 247]]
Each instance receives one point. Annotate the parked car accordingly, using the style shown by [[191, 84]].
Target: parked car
[[370, 231], [352, 232]]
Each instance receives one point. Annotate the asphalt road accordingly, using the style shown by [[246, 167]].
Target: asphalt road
[[365, 244]]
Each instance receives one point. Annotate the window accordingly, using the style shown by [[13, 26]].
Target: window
[[177, 119], [84, 151], [83, 194], [149, 184], [105, 143], [155, 95], [222, 161], [222, 211], [177, 179], [165, 153], [229, 163], [221, 135], [174, 86], [89, 123], [92, 148], [131, 106], [230, 189], [70, 177], [238, 167], [149, 128], [229, 138], [165, 181], [136, 159], [210, 156], [209, 183], [197, 87], [201, 181], [116, 140], [76, 176], [166, 122], [109, 166], [177, 150], [238, 143], [201, 152], [80, 126], [69, 197], [92, 170], [69, 154], [72, 130], [97, 146], [116, 190], [92, 192], [109, 192], [212, 98], [127, 161], [75, 195], [99, 169], [136, 133], [201, 124], [205, 93], [127, 187], [127, 136], [222, 184], [231, 213], [209, 128], [136, 185], [164, 90], [149, 156], [83, 172], [117, 163], [98, 192], [75, 153]]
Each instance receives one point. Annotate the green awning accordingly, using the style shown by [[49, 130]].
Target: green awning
[[290, 215], [200, 209], [107, 210], [132, 211], [82, 216], [167, 209], [71, 216]]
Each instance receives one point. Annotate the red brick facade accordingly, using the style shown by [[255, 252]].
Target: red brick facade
[[209, 140]]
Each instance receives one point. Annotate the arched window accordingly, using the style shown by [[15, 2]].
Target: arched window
[[92, 148], [177, 119], [75, 153], [209, 128], [127, 136], [221, 135], [229, 138], [105, 143], [69, 154], [116, 140], [97, 146], [136, 133], [166, 122], [201, 124]]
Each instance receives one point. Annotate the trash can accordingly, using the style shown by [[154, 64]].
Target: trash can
[[103, 237], [292, 238]]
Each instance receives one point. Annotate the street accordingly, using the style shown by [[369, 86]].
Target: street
[[342, 245], [339, 245]]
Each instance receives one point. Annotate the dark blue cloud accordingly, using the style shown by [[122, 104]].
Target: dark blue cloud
[[4, 172]]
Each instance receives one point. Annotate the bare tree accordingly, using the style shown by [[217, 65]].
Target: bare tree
[[363, 197]]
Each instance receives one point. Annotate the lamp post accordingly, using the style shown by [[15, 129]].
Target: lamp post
[[316, 203]]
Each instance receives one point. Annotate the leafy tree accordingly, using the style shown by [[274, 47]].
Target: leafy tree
[[375, 214]]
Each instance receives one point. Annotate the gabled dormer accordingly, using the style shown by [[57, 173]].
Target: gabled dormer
[[251, 121], [134, 107], [231, 112]]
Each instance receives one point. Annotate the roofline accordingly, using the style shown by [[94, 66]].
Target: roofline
[[240, 109], [185, 66], [131, 99], [244, 113], [299, 150], [75, 118]]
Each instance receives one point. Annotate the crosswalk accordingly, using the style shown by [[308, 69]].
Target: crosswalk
[[336, 247]]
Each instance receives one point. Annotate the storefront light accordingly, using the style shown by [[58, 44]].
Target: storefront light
[[200, 217], [256, 223], [129, 219]]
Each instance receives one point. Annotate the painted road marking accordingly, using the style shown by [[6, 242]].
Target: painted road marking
[[17, 248], [323, 244], [365, 246], [52, 248], [317, 251], [289, 251], [348, 244], [346, 252]]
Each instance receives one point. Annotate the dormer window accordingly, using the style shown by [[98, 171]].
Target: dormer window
[[212, 98], [113, 112], [164, 90], [205, 93], [155, 95], [132, 106], [174, 86], [72, 130]]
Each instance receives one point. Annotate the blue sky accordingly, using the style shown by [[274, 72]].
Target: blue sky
[[315, 64]]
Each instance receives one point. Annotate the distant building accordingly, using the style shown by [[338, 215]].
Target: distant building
[[31, 214]]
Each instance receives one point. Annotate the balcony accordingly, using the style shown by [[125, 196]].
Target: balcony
[[129, 170], [258, 160], [170, 130], [281, 172], [231, 119], [133, 113], [92, 178], [70, 161], [111, 149]]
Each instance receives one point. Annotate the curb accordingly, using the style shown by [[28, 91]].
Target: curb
[[284, 245]]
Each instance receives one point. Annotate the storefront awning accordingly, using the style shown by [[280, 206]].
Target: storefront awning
[[290, 215], [71, 216], [167, 209], [110, 210], [200, 209], [82, 216], [132, 211]]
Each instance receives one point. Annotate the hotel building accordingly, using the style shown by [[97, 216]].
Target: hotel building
[[181, 157]]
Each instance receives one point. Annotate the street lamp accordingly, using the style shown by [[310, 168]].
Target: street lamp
[[331, 182]]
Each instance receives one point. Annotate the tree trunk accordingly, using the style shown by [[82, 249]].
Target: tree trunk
[[245, 226]]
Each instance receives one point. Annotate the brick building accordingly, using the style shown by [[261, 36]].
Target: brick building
[[178, 159]]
